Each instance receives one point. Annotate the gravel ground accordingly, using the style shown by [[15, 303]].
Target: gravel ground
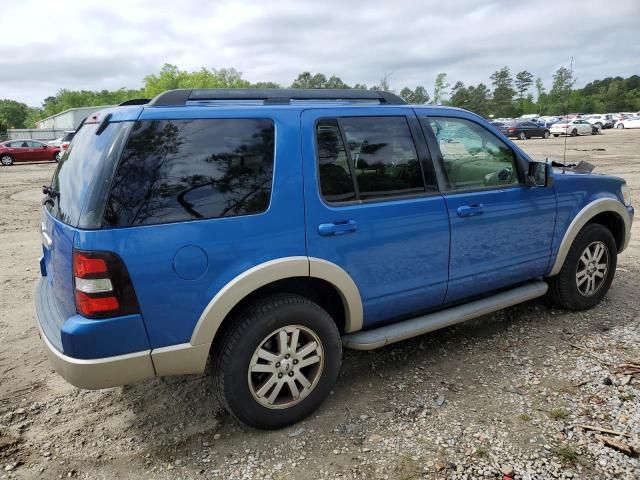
[[506, 393]]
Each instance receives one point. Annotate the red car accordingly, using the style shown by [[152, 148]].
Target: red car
[[27, 151]]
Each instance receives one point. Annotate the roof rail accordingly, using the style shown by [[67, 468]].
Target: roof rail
[[272, 96], [134, 101]]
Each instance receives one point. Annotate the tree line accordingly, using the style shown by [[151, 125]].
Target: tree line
[[504, 95]]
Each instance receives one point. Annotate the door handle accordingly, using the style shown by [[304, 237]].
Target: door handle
[[471, 210], [337, 228]]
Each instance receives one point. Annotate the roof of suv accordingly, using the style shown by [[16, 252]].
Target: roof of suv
[[269, 96]]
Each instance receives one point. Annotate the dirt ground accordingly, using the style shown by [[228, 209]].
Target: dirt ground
[[505, 391]]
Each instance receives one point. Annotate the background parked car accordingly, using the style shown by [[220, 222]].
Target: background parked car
[[574, 127], [27, 151], [66, 141], [631, 122], [601, 121], [524, 130], [56, 142]]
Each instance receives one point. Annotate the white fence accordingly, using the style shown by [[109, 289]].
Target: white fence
[[35, 133]]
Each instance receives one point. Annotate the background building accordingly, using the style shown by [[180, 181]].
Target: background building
[[54, 126]]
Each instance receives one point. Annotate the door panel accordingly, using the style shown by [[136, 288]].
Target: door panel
[[508, 243], [501, 231], [395, 248]]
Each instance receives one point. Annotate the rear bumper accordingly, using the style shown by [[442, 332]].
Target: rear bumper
[[100, 372], [89, 373]]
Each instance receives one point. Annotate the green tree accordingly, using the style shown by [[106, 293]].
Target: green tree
[[523, 82], [12, 114], [561, 86], [503, 92], [415, 97], [171, 77], [440, 89]]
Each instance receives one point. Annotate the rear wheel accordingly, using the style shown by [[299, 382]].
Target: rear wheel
[[574, 132], [56, 157], [546, 134], [277, 362], [522, 136], [620, 125], [588, 270], [6, 160]]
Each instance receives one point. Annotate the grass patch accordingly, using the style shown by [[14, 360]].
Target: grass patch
[[567, 453], [407, 468], [482, 452], [558, 413], [525, 417], [627, 397]]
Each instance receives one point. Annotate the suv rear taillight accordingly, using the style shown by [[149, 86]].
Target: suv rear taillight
[[102, 285]]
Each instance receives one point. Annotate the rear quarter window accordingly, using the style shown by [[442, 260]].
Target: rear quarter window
[[178, 170]]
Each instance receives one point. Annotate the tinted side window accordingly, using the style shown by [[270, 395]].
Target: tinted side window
[[383, 155], [336, 182], [473, 157], [174, 170]]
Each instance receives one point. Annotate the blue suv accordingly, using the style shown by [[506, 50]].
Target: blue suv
[[267, 229]]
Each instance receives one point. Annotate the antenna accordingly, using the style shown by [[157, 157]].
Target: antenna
[[566, 116]]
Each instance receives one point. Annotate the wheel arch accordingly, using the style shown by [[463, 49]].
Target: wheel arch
[[320, 280], [608, 212]]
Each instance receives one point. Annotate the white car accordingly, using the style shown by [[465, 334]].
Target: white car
[[574, 127], [632, 122]]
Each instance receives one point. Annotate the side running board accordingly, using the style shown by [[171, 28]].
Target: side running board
[[396, 332]]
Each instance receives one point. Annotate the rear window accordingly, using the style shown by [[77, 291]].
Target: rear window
[[177, 170], [83, 175]]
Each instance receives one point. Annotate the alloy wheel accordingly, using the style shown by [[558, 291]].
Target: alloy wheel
[[592, 269], [286, 367]]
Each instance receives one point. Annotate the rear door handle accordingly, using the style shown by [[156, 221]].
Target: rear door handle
[[337, 228], [471, 210]]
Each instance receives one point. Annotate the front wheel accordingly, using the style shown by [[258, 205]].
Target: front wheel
[[277, 362], [620, 126], [56, 157], [588, 270], [522, 136], [6, 160], [574, 132], [546, 134]]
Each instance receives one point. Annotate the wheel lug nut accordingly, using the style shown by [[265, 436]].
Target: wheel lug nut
[[278, 365], [279, 375], [295, 362], [291, 374], [287, 356]]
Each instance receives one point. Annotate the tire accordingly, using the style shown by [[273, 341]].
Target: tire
[[599, 125], [546, 134], [620, 126], [522, 136], [259, 327], [556, 135], [574, 133], [565, 290], [6, 160], [56, 157]]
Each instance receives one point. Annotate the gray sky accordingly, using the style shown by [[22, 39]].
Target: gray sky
[[91, 45]]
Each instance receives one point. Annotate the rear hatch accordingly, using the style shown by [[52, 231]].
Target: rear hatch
[[75, 201]]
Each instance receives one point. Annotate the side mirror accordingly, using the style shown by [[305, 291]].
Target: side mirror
[[45, 146], [539, 175]]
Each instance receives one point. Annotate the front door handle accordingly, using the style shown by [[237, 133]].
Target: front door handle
[[471, 210], [337, 228]]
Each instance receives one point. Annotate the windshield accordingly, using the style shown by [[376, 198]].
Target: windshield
[[84, 174]]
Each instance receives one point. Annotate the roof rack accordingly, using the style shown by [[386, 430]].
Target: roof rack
[[134, 101], [273, 96]]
